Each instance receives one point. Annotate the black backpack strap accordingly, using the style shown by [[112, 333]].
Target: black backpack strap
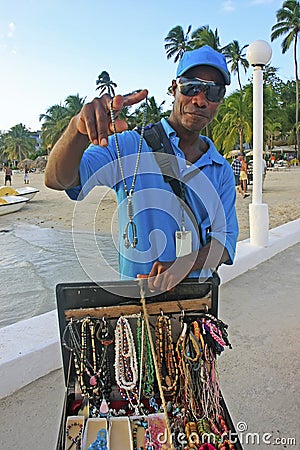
[[157, 139]]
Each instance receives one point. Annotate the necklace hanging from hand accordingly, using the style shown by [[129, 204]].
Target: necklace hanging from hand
[[130, 233]]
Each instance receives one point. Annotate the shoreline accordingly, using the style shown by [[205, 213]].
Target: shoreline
[[98, 212]]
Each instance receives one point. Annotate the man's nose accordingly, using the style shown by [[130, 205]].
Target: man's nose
[[200, 100]]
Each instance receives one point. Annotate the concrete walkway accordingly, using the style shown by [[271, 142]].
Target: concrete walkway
[[259, 376]]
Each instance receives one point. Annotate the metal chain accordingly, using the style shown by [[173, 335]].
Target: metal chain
[[129, 242], [112, 115]]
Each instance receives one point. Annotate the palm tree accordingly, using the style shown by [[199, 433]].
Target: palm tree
[[272, 130], [288, 24], [74, 104], [205, 36], [105, 83], [236, 56], [19, 143], [53, 124], [177, 42], [234, 124], [154, 111], [57, 118], [2, 144]]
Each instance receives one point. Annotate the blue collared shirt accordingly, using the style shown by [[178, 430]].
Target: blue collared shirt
[[210, 193]]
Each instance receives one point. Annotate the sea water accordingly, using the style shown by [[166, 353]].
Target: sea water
[[34, 260]]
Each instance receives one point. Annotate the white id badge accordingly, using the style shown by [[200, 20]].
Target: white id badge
[[183, 241]]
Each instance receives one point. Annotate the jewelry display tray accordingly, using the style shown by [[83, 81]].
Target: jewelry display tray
[[113, 299]]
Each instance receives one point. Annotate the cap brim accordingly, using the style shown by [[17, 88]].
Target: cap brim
[[226, 75]]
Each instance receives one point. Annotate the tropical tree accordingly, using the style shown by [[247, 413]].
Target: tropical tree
[[18, 143], [288, 25], [154, 113], [74, 104], [105, 83], [177, 42], [234, 122], [236, 56], [57, 118], [272, 130], [2, 144], [53, 124], [206, 36]]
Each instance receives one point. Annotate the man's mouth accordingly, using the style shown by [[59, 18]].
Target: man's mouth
[[196, 114]]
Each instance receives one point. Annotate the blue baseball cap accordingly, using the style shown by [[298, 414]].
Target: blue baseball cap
[[203, 56]]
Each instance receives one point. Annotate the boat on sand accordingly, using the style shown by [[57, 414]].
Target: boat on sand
[[12, 203], [26, 191]]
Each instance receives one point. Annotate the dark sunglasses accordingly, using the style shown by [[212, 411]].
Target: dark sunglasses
[[214, 92]]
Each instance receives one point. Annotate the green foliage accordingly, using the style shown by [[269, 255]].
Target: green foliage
[[205, 36], [236, 56], [57, 118], [288, 25], [234, 123], [18, 143], [104, 83], [177, 42]]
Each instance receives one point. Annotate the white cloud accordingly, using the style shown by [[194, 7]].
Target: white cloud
[[11, 30], [228, 6]]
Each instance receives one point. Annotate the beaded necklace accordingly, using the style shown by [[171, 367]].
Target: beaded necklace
[[166, 360], [101, 441], [72, 339], [204, 339], [145, 360], [104, 338], [90, 355], [76, 440], [87, 327], [126, 366], [130, 232]]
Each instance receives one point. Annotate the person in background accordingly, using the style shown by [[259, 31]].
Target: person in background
[[272, 160], [236, 167], [264, 170], [8, 175], [26, 174], [243, 178]]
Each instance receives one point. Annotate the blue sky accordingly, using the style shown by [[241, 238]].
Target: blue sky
[[50, 49]]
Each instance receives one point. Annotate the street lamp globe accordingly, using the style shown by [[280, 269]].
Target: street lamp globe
[[259, 53]]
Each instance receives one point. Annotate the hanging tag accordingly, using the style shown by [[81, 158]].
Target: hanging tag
[[183, 240]]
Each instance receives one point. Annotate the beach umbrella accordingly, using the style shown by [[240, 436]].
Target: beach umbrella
[[40, 162], [232, 153], [25, 162]]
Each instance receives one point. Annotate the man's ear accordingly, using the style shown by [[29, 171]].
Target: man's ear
[[174, 87]]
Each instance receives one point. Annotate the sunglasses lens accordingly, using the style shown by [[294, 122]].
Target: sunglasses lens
[[190, 89], [214, 92]]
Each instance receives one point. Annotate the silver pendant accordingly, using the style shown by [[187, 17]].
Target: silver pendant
[[134, 240]]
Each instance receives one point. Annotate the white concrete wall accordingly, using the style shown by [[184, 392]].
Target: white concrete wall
[[30, 349]]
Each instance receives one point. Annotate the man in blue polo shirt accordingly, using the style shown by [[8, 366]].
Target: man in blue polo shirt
[[161, 235]]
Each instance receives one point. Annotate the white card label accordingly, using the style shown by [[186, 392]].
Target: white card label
[[183, 241]]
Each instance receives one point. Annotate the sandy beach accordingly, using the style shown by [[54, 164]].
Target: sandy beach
[[98, 212]]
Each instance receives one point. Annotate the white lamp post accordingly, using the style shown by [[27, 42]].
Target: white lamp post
[[259, 54]]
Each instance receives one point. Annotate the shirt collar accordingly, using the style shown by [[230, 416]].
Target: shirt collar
[[212, 154]]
